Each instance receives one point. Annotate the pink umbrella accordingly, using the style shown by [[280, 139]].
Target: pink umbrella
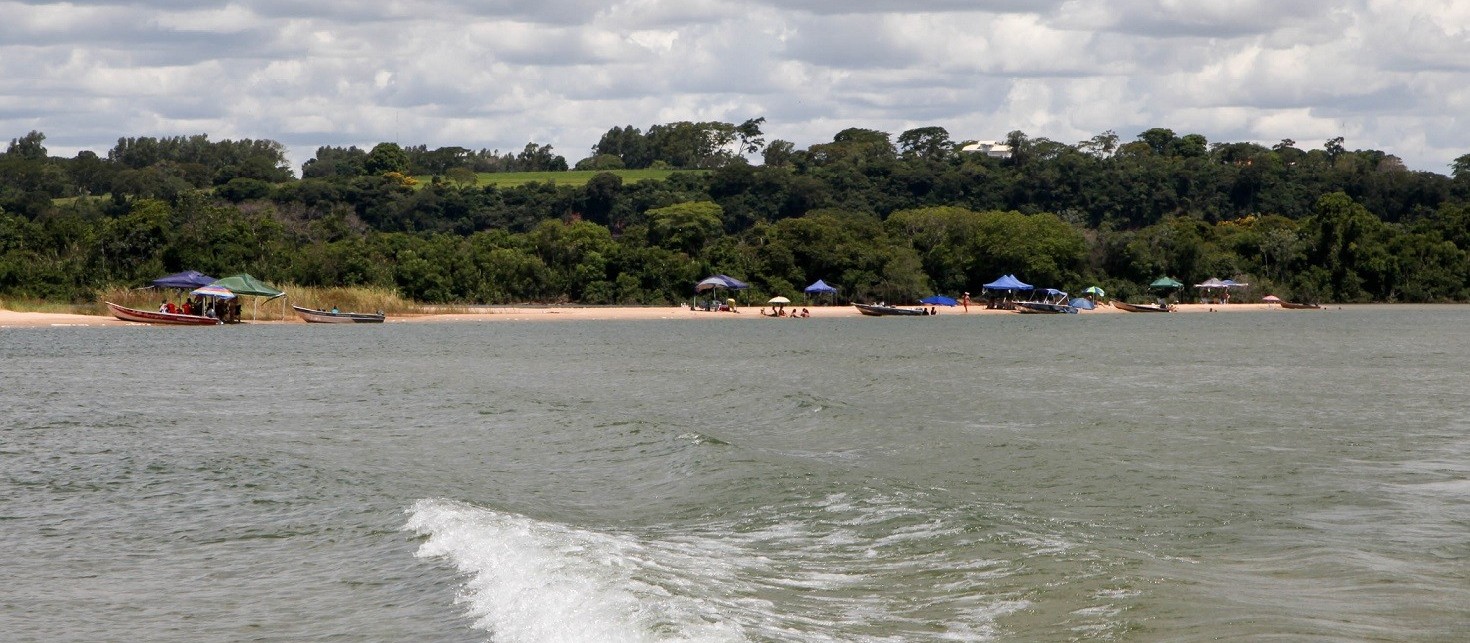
[[1271, 299]]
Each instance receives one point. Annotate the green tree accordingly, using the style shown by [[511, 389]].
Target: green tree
[[928, 143], [385, 158], [28, 147], [685, 227]]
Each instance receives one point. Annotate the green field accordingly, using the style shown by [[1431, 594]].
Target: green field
[[574, 178]]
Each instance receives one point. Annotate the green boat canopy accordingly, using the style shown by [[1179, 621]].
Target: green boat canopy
[[1165, 282], [243, 284]]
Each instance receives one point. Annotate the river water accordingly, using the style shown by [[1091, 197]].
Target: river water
[[1287, 474]]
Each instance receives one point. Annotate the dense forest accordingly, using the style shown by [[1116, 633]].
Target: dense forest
[[880, 217]]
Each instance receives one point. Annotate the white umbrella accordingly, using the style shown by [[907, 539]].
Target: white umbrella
[[779, 300], [1271, 299]]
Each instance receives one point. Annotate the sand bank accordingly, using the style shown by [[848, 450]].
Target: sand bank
[[13, 319]]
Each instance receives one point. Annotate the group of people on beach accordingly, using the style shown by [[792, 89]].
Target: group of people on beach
[[781, 312], [225, 311]]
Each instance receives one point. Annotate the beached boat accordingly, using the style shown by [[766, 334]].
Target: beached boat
[[1290, 305], [152, 317], [314, 316], [1142, 308], [879, 310], [1049, 301], [1045, 308]]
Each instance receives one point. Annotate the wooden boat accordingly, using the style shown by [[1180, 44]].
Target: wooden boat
[[1142, 308], [878, 310], [152, 317], [314, 316], [1289, 305], [1045, 308]]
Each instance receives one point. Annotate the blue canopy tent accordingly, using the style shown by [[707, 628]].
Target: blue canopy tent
[[710, 284], [186, 280], [821, 287], [1007, 284]]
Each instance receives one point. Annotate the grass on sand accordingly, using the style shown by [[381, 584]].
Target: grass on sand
[[348, 299]]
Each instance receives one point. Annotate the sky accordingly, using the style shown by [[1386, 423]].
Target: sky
[[497, 74]]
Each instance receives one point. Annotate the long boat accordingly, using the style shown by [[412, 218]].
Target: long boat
[[1289, 305], [1141, 308], [878, 310], [314, 316], [153, 317]]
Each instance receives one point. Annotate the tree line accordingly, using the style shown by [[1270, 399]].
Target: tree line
[[883, 217]]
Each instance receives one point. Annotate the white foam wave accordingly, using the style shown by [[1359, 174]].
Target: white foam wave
[[538, 581], [859, 568]]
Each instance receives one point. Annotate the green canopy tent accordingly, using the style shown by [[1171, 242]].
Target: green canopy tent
[[1165, 283], [244, 284]]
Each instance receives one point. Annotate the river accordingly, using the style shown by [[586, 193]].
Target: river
[[1284, 474]]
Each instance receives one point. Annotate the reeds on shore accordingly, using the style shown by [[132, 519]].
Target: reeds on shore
[[363, 299]]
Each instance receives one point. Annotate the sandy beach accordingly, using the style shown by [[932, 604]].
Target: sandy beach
[[14, 319]]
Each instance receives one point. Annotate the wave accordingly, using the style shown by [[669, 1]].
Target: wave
[[836, 568], [539, 581]]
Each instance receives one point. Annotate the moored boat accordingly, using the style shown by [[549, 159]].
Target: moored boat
[[314, 316], [1291, 305], [152, 317], [881, 310], [1049, 301], [1142, 308], [1045, 308]]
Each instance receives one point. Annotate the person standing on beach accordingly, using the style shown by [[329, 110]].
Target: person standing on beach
[[966, 302]]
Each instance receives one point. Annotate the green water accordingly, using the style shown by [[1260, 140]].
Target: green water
[[1290, 475]]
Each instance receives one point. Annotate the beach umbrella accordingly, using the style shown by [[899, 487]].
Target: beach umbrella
[[1094, 290], [1165, 282], [217, 292], [779, 300], [1271, 299], [938, 300]]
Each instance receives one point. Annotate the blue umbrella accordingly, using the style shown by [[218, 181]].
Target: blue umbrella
[[938, 300]]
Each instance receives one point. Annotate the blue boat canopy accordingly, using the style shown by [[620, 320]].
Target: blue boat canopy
[[1007, 282], [820, 286], [187, 279]]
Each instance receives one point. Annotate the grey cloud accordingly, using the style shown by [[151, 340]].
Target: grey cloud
[[853, 7], [847, 43], [497, 74], [1219, 19]]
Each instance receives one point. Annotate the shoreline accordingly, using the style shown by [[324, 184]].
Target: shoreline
[[16, 319]]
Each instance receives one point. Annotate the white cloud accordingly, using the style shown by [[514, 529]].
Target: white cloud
[[1385, 75]]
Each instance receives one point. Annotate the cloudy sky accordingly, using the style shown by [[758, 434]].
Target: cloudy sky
[[1383, 74]]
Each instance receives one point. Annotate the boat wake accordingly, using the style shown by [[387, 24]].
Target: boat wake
[[539, 581], [762, 575]]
